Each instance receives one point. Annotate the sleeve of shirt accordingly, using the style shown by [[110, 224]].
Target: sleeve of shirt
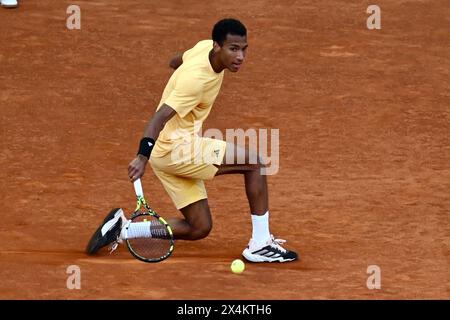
[[195, 49], [187, 54], [186, 95]]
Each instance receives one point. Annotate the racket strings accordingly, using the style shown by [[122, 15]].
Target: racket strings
[[154, 247], [150, 248]]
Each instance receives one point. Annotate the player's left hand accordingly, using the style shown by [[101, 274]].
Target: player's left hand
[[136, 168]]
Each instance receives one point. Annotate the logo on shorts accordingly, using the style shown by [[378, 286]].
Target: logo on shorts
[[217, 152]]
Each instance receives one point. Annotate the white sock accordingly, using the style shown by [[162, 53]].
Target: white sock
[[260, 224], [136, 230]]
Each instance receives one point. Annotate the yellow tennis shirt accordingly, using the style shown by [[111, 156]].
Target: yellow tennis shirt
[[191, 92]]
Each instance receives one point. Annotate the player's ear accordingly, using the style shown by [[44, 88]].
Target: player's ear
[[216, 47]]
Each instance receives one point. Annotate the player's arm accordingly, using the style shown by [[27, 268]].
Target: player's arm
[[176, 61], [136, 168], [158, 121]]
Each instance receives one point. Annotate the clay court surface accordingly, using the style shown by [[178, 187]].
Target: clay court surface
[[364, 173]]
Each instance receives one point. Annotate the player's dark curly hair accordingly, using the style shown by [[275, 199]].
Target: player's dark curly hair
[[227, 26]]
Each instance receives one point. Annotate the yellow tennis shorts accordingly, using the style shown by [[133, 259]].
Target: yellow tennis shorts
[[183, 170]]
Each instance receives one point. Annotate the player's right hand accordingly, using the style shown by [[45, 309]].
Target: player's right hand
[[136, 168]]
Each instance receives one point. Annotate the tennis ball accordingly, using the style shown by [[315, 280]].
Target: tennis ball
[[237, 266]]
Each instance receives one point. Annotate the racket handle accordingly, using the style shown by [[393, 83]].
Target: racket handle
[[138, 188]]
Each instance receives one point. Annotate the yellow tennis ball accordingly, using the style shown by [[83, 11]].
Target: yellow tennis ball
[[237, 266]]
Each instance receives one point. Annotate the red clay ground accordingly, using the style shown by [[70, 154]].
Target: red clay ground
[[364, 137]]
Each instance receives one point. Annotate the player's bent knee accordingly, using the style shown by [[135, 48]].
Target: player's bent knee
[[200, 233]]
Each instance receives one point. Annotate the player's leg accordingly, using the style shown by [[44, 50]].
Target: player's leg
[[262, 247], [188, 193], [197, 222], [239, 160]]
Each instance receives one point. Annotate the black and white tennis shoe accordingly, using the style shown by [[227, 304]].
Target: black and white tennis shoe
[[108, 232], [270, 251]]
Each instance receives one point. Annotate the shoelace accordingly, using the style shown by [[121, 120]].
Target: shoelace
[[115, 244], [276, 243], [113, 247]]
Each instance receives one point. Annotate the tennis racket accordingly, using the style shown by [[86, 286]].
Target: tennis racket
[[153, 246]]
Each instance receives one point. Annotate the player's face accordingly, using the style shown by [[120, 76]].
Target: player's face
[[233, 51]]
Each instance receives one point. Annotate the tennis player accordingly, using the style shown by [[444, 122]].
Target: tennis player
[[182, 160]]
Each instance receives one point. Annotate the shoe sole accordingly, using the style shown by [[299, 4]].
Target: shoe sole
[[9, 6], [257, 258], [94, 243]]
